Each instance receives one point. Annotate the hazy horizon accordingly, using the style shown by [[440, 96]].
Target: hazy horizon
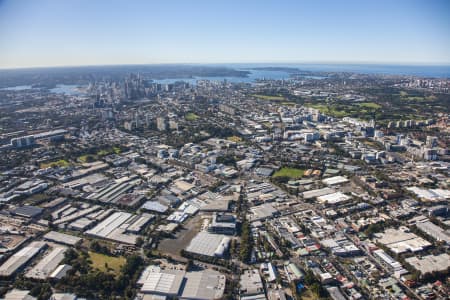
[[240, 64]]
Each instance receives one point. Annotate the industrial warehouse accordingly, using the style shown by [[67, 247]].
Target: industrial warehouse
[[205, 243], [121, 227], [21, 258], [48, 264], [194, 285]]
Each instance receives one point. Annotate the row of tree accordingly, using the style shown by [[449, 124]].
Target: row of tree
[[246, 242]]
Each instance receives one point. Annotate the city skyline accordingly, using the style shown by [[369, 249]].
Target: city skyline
[[54, 33]]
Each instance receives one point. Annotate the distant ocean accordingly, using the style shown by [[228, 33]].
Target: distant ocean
[[434, 71]]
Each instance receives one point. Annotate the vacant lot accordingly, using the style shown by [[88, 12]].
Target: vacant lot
[[182, 238], [106, 263], [292, 173]]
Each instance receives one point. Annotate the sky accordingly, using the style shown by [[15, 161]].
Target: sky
[[37, 33]]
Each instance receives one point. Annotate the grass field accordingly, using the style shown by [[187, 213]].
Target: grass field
[[86, 158], [59, 163], [406, 97], [329, 110], [371, 105], [103, 152], [112, 150], [234, 138], [106, 263], [414, 98], [292, 173], [270, 98], [116, 150], [191, 116]]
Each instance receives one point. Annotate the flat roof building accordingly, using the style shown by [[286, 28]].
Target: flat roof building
[[223, 224], [434, 231], [317, 193], [389, 262], [293, 272], [20, 258], [48, 264], [262, 212], [335, 180], [278, 294], [203, 285], [163, 283], [401, 240], [334, 198], [199, 285], [155, 206], [60, 272], [16, 294], [63, 296], [335, 293], [205, 243], [62, 238], [27, 211], [251, 284], [430, 263], [116, 226]]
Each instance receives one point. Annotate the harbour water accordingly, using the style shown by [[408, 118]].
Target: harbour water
[[263, 71], [66, 89]]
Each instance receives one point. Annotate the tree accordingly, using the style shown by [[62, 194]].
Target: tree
[[139, 241], [246, 242], [227, 159], [70, 255], [319, 290], [280, 179], [309, 277], [41, 291], [95, 246]]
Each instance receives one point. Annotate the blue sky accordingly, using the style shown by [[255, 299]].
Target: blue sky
[[97, 32]]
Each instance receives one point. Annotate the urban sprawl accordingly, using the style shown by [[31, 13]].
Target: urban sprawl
[[320, 186]]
